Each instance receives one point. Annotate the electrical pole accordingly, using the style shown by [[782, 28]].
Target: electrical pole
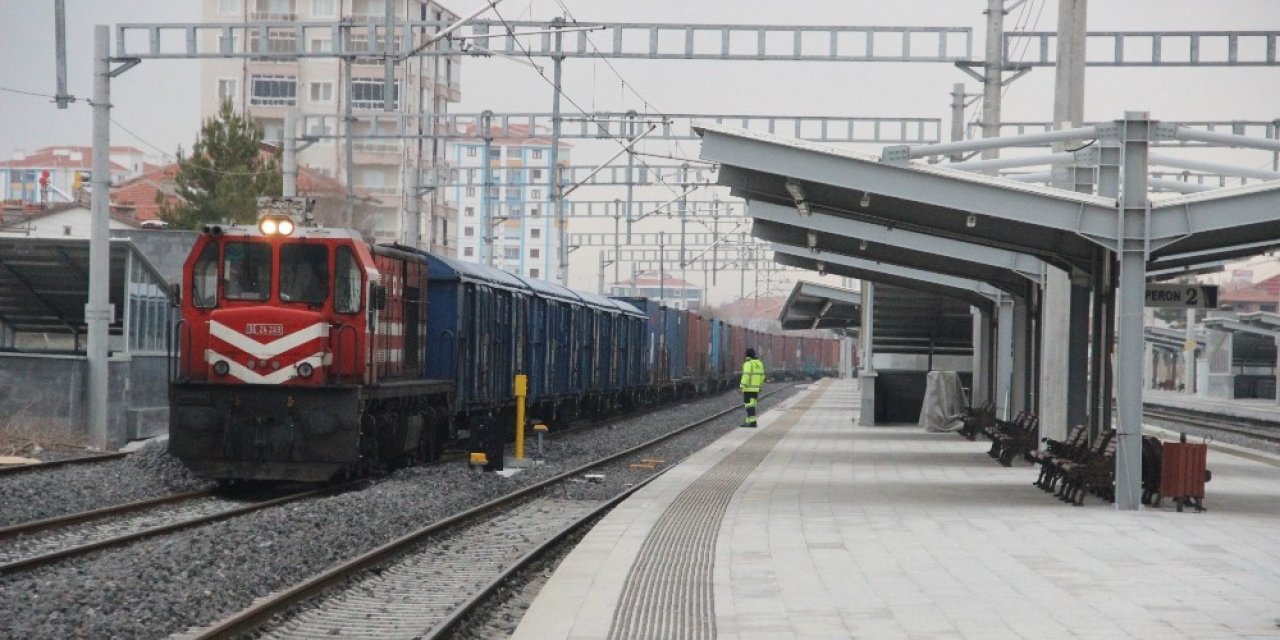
[[290, 154], [349, 121], [991, 72], [553, 190], [486, 214], [60, 46], [98, 312], [957, 117]]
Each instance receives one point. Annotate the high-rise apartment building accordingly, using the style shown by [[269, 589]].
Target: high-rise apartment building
[[267, 89], [508, 225]]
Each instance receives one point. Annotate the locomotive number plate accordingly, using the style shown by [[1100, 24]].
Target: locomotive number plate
[[264, 329]]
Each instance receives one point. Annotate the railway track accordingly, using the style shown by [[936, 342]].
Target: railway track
[[29, 545], [419, 585], [1175, 419], [54, 464]]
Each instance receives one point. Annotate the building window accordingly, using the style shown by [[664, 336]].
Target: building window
[[321, 45], [275, 10], [367, 93], [228, 89], [317, 126], [468, 251], [513, 152], [228, 7], [537, 154], [471, 192], [533, 212], [537, 174], [229, 44], [496, 154], [534, 273], [274, 90], [493, 192], [535, 194], [321, 91], [471, 152], [469, 232], [535, 233], [469, 212], [535, 253], [323, 9], [513, 194], [471, 176], [511, 253]]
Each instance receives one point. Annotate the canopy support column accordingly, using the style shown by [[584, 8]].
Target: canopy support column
[[1132, 249]]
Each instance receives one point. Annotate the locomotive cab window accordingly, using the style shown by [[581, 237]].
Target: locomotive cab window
[[304, 273], [246, 271], [348, 283], [204, 277]]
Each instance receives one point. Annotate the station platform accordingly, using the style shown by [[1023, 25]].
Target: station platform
[[1250, 409], [813, 527]]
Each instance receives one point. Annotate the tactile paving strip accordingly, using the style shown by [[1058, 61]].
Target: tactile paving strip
[[668, 592]]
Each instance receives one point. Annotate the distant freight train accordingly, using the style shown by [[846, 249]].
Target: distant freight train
[[305, 353]]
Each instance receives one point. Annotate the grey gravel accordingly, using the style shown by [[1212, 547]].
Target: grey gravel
[[166, 585], [149, 473]]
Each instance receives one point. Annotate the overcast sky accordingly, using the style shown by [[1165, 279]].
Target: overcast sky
[[159, 100]]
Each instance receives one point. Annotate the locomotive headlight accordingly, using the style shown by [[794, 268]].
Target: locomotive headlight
[[305, 370], [285, 227], [221, 367], [268, 226]]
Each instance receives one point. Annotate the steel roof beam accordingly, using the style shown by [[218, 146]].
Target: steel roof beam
[[1025, 265], [972, 291]]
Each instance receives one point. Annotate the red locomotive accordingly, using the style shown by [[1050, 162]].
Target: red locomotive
[[299, 353]]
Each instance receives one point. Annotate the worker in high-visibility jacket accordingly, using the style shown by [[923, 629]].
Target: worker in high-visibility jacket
[[752, 381]]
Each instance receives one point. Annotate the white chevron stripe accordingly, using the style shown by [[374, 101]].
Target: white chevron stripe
[[271, 349], [281, 375]]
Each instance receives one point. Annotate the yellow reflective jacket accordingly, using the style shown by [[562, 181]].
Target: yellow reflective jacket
[[752, 375]]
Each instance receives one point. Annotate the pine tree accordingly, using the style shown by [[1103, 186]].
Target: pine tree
[[224, 175]]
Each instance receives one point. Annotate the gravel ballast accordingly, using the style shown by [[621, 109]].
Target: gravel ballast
[[149, 473], [192, 578]]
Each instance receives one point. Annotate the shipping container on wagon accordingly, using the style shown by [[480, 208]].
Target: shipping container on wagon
[[698, 349], [656, 353], [473, 320], [549, 342], [676, 335], [631, 345], [831, 359], [811, 358], [599, 348]]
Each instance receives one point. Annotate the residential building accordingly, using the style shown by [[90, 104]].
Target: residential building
[[267, 89], [55, 174], [507, 225], [667, 289], [140, 197]]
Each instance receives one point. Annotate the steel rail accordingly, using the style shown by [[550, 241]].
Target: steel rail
[[46, 558], [33, 526], [1198, 420], [65, 462], [263, 609]]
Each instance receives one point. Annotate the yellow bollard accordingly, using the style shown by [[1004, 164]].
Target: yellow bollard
[[522, 390]]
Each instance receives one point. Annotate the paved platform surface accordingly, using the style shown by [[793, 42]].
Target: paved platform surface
[[1253, 409], [843, 531]]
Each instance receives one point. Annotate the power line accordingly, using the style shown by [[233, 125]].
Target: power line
[[590, 117]]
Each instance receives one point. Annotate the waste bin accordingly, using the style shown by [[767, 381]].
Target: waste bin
[[1182, 473]]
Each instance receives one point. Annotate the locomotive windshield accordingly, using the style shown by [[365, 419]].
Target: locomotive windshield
[[304, 273], [204, 277], [246, 271]]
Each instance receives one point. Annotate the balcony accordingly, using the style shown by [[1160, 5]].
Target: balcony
[[272, 16]]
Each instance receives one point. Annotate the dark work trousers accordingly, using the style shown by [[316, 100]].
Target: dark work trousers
[[749, 400]]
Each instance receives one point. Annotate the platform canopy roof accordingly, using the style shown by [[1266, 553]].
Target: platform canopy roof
[[1060, 227], [44, 282], [1170, 339], [975, 293], [812, 305]]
